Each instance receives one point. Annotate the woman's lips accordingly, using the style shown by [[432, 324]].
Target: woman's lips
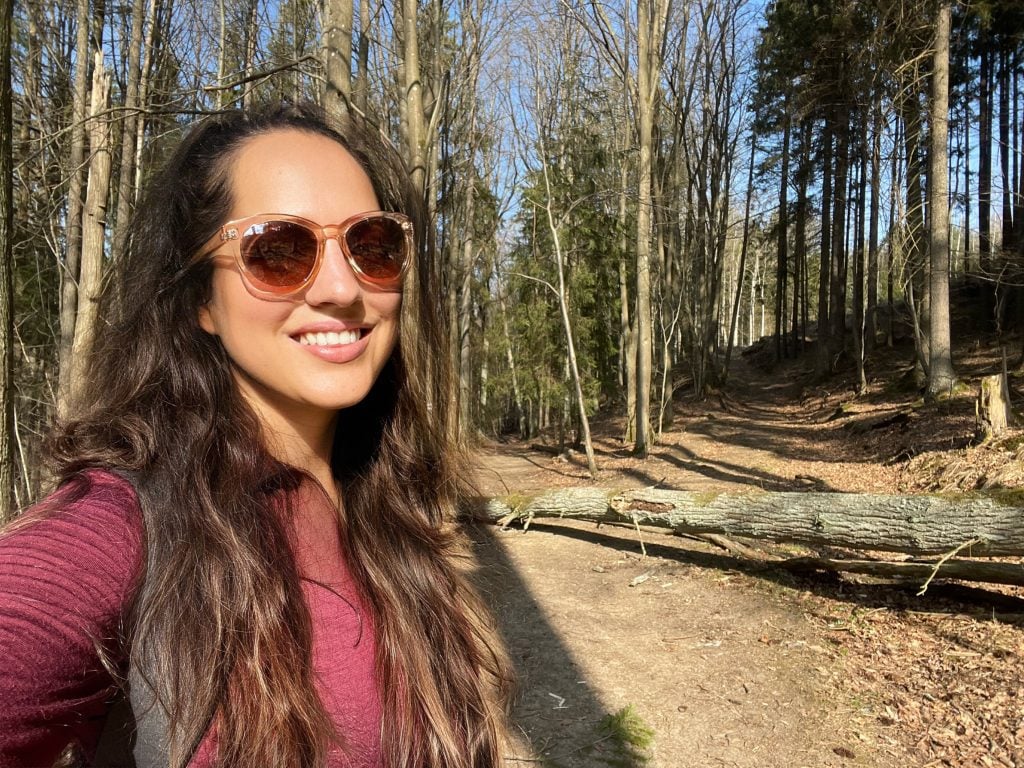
[[335, 346]]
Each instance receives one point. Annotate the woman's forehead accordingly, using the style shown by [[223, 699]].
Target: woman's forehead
[[300, 173]]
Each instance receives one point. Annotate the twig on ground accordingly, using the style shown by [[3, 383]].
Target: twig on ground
[[938, 564], [640, 536]]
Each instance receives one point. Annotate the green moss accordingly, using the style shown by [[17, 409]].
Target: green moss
[[517, 501], [705, 498], [628, 737], [1007, 497], [1011, 443]]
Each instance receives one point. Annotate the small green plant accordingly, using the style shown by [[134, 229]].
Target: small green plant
[[630, 739]]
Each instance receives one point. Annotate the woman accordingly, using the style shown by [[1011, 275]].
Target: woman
[[253, 526]]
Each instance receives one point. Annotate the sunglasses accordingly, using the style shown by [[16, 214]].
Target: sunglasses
[[279, 255]]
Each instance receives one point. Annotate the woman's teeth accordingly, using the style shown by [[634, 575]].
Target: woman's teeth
[[331, 339]]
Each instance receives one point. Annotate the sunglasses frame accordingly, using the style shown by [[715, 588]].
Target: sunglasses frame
[[232, 232]]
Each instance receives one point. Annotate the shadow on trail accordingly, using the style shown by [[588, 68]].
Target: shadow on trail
[[941, 598], [556, 711], [736, 473]]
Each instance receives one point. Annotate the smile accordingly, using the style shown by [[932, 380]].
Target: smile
[[330, 339]]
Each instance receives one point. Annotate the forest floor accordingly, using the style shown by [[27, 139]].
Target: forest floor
[[690, 656]]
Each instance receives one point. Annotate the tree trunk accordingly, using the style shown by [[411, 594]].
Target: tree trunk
[[337, 55], [915, 226], [918, 525], [994, 413], [510, 357], [362, 86], [464, 363], [563, 306], [860, 259], [799, 330], [7, 474], [923, 572], [1004, 144], [144, 79], [251, 39], [985, 156], [871, 316], [651, 22], [627, 329], [837, 266], [76, 167], [132, 113], [824, 360], [940, 364], [94, 221], [782, 265], [740, 272], [415, 128], [967, 192]]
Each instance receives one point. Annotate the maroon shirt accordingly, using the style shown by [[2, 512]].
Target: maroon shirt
[[64, 581]]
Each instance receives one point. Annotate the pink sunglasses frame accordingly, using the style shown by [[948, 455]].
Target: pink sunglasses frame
[[232, 234]]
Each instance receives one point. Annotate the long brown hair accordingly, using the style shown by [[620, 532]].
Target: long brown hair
[[160, 403]]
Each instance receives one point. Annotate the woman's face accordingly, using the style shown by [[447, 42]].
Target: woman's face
[[298, 361]]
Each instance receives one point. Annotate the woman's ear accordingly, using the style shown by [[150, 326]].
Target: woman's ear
[[206, 320]]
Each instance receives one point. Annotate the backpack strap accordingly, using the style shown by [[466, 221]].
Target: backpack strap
[[137, 725], [135, 733]]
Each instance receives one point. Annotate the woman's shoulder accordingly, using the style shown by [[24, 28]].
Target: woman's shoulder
[[67, 569], [89, 530]]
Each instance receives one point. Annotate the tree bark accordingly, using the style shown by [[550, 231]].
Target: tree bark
[[651, 22], [915, 224], [871, 316], [823, 364], [741, 270], [968, 570], [338, 56], [985, 155], [941, 377], [1004, 143], [627, 327], [415, 129], [919, 525], [94, 221], [251, 41], [860, 260], [132, 113], [72, 258], [362, 84], [782, 265], [7, 474], [837, 266], [994, 414], [149, 54]]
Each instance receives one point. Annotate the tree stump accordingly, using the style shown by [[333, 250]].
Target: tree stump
[[993, 407]]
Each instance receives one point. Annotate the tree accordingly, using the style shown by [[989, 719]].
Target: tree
[[940, 368], [338, 55], [7, 464], [652, 16], [73, 252], [94, 221]]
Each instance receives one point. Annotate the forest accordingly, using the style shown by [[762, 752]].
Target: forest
[[623, 193]]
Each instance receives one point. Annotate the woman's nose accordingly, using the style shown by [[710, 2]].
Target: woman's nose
[[335, 283]]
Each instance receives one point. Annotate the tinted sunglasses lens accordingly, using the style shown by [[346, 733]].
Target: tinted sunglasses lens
[[379, 248], [279, 254]]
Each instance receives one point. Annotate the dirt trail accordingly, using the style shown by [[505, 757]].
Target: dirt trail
[[726, 664], [720, 672]]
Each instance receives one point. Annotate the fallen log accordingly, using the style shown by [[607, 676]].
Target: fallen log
[[918, 525], [968, 570]]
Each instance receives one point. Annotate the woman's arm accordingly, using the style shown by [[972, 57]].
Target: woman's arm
[[64, 581]]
